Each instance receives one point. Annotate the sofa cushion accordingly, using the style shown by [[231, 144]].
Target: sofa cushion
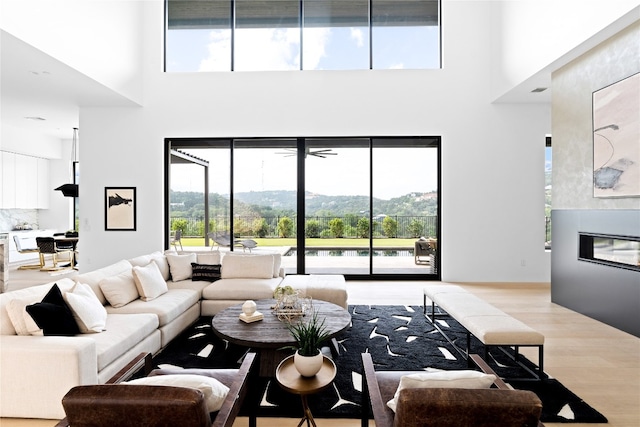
[[167, 307], [120, 289], [93, 278], [180, 265], [277, 259], [210, 258], [443, 379], [53, 315], [208, 272], [214, 391], [122, 333], [241, 289], [149, 281], [22, 321], [255, 267], [89, 314], [31, 295], [157, 257]]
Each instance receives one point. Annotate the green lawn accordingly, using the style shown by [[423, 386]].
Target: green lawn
[[327, 243]]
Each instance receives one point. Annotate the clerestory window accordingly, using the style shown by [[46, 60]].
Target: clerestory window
[[266, 35]]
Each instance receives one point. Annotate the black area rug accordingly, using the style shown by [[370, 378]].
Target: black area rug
[[398, 338]]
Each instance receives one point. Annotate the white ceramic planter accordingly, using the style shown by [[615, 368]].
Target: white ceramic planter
[[308, 366]]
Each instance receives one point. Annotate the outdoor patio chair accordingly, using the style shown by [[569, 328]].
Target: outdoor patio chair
[[176, 240], [446, 407], [223, 240]]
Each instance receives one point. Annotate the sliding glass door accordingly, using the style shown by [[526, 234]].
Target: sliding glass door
[[358, 206], [337, 195]]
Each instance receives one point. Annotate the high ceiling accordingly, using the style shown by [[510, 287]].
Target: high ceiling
[[35, 86]]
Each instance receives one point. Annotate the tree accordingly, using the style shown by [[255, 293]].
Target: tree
[[260, 227], [285, 227], [363, 227], [415, 228], [312, 228], [389, 226], [180, 224], [336, 226]]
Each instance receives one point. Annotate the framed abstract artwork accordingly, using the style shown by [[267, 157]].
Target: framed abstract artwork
[[616, 139], [120, 208]]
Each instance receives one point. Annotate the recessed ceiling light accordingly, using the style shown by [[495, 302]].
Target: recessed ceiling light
[[36, 118], [539, 89]]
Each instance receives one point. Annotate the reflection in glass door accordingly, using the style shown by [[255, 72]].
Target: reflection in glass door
[[336, 198], [405, 205], [264, 196]]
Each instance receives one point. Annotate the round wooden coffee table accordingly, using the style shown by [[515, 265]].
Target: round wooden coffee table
[[291, 381], [270, 334]]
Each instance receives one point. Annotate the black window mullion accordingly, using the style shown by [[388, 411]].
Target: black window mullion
[[300, 201], [232, 6]]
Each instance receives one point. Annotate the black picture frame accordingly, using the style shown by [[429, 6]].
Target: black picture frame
[[120, 208]]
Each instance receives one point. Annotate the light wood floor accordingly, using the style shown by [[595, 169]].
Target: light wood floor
[[597, 362]]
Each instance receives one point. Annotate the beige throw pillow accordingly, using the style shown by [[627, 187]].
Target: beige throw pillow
[[180, 266], [214, 391], [149, 281], [88, 311], [253, 266], [22, 321], [119, 290], [443, 379]]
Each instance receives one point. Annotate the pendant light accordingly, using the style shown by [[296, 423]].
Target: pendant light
[[71, 190]]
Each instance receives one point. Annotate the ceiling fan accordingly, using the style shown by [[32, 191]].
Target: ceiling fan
[[323, 153]]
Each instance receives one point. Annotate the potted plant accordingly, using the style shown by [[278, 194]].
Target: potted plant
[[309, 336]]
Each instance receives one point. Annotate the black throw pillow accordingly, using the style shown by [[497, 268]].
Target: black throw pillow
[[207, 272], [53, 315]]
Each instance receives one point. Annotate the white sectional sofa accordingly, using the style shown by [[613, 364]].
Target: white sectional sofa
[[143, 303]]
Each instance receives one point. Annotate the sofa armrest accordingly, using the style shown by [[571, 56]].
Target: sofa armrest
[[42, 369], [237, 392], [371, 392]]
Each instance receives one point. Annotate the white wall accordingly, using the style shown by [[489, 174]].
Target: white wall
[[532, 34], [573, 86], [99, 38], [492, 156]]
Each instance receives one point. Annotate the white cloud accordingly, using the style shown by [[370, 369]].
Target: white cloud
[[262, 49], [219, 50], [356, 34], [315, 40]]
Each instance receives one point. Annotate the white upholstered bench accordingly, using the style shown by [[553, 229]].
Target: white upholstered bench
[[491, 326]]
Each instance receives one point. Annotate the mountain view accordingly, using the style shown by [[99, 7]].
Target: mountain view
[[271, 203]]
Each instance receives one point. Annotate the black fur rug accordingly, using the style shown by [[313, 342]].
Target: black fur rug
[[398, 338]]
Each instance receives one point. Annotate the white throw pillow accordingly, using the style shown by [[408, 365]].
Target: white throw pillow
[[180, 266], [149, 281], [277, 260], [22, 321], [252, 266], [210, 258], [90, 314], [214, 391], [163, 265], [119, 290], [443, 379]]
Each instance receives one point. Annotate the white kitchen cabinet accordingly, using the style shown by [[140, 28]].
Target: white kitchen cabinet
[[44, 184], [25, 182], [8, 180]]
